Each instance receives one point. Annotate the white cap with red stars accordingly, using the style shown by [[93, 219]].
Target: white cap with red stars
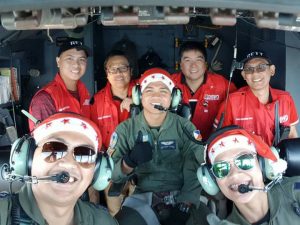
[[230, 142], [68, 122], [154, 75]]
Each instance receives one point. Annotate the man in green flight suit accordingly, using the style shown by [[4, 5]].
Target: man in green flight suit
[[163, 150], [241, 161], [62, 156]]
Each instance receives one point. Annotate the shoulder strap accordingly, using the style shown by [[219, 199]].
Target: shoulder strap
[[18, 215], [277, 129]]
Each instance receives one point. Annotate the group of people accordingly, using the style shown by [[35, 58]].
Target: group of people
[[156, 153]]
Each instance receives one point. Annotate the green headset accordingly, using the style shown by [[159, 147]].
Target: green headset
[[21, 156], [175, 96], [207, 179]]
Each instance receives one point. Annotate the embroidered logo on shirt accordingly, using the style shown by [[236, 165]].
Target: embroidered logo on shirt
[[212, 97], [283, 118], [167, 145], [244, 118], [113, 140], [197, 135], [104, 117], [86, 102], [63, 109]]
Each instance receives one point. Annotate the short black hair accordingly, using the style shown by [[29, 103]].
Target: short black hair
[[115, 53], [192, 45]]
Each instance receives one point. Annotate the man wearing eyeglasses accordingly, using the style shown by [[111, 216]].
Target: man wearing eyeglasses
[[235, 158], [258, 107], [111, 105], [66, 93], [63, 143]]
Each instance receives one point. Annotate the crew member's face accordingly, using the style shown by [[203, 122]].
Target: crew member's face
[[193, 65], [229, 184], [156, 93], [257, 73], [118, 71], [72, 64], [62, 194]]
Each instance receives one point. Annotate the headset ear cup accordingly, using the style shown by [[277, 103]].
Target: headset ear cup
[[103, 172], [176, 98], [274, 169], [21, 156], [207, 180], [136, 94]]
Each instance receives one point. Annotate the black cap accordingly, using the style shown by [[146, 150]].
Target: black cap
[[66, 43], [256, 54]]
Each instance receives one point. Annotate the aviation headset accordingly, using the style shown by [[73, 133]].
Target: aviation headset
[[207, 179], [137, 93], [175, 96], [21, 157]]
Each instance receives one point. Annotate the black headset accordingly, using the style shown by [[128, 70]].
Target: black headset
[[208, 180], [21, 157]]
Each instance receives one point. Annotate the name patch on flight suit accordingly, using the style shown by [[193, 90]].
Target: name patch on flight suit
[[297, 186], [167, 145]]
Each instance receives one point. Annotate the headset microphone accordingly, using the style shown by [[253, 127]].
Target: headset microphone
[[159, 107], [244, 188], [62, 177]]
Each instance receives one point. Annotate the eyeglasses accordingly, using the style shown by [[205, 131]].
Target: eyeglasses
[[244, 162], [55, 150], [115, 70], [258, 69]]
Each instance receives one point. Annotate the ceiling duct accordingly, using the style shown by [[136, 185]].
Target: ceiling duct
[[279, 21], [144, 15], [223, 17], [64, 18]]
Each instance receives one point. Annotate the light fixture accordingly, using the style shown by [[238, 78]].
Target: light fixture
[[45, 19], [279, 21], [223, 17], [144, 15]]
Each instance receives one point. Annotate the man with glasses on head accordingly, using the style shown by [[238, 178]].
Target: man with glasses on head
[[233, 156], [63, 143], [257, 107], [66, 93], [111, 105]]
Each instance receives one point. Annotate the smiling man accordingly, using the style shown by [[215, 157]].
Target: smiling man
[[254, 107], [66, 93], [235, 160], [202, 89], [159, 147], [63, 143], [111, 105]]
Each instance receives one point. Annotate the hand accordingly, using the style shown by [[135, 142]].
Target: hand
[[125, 104], [213, 219], [140, 153]]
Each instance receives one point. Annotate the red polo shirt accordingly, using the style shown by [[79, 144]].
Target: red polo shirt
[[245, 110], [106, 113], [208, 97]]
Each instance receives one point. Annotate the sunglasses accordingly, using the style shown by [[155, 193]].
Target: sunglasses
[[55, 150], [244, 162], [258, 69], [114, 70]]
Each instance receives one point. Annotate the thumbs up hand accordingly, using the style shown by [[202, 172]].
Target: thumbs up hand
[[140, 153]]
